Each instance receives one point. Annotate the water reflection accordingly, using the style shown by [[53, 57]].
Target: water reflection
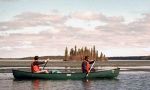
[[21, 84], [125, 81], [36, 85], [86, 84], [112, 84]]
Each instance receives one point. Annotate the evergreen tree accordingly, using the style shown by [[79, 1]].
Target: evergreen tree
[[94, 53], [75, 52], [71, 52], [66, 54], [85, 51], [80, 53], [101, 56], [91, 53]]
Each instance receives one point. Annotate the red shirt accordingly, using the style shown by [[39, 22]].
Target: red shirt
[[85, 66], [35, 66]]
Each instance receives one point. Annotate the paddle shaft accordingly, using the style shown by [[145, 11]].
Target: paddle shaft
[[45, 65], [90, 69]]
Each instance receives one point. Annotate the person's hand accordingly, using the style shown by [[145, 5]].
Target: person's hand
[[46, 61]]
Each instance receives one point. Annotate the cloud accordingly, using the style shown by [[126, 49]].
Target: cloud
[[141, 24], [54, 17], [87, 15], [50, 33], [91, 16], [32, 19]]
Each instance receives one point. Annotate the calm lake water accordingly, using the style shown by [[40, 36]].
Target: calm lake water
[[127, 80]]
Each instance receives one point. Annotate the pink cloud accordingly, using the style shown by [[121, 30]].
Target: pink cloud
[[87, 15], [32, 19], [114, 34], [90, 16]]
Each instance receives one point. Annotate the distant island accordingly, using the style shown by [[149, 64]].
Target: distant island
[[79, 54], [31, 58], [130, 58]]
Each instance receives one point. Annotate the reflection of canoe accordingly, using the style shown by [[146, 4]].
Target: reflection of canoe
[[63, 76]]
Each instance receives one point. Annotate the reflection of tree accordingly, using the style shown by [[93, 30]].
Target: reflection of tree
[[79, 54]]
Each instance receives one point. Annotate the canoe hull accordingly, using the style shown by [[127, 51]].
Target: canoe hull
[[64, 76]]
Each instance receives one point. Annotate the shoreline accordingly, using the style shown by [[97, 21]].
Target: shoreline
[[7, 66], [76, 63]]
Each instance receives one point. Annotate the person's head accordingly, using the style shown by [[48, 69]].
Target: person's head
[[86, 58], [36, 58]]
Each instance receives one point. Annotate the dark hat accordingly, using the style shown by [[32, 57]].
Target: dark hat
[[36, 57], [86, 57]]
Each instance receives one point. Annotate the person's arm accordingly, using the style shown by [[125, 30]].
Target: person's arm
[[39, 62], [91, 62]]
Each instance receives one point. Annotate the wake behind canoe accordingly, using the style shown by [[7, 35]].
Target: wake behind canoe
[[65, 76]]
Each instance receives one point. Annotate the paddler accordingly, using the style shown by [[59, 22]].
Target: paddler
[[86, 65], [35, 66]]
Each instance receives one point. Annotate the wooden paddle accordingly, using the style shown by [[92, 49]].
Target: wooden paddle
[[45, 64], [90, 69]]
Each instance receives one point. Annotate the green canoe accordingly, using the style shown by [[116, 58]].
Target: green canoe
[[64, 76]]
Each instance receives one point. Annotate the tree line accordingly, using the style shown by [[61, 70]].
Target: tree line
[[79, 54]]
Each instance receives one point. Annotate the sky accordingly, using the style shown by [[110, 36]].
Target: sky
[[46, 27]]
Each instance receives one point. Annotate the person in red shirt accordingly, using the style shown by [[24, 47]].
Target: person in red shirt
[[86, 65], [35, 65]]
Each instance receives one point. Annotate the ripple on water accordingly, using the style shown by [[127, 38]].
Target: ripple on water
[[6, 76], [125, 81]]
